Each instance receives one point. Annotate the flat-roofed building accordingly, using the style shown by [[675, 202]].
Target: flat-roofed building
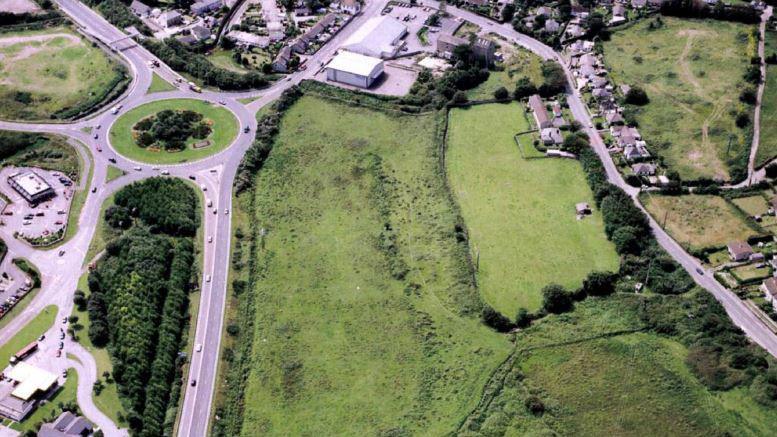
[[25, 384], [354, 69], [378, 37], [31, 186]]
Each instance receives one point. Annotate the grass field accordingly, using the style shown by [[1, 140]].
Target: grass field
[[521, 213], [43, 72], [159, 85], [632, 384], [366, 316], [750, 272], [518, 63], [752, 205], [698, 222], [224, 126], [692, 72], [767, 148]]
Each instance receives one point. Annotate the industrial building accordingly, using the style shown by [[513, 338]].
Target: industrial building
[[354, 69], [31, 186], [379, 37], [24, 386]]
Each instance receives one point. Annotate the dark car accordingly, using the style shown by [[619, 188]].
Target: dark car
[[113, 160], [194, 382]]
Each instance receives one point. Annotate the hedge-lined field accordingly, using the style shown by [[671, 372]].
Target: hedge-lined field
[[520, 213]]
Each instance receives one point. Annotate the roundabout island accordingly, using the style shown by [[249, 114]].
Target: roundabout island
[[173, 131]]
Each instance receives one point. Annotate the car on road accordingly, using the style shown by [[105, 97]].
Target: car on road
[[99, 149], [61, 344], [246, 129], [210, 238], [94, 189], [215, 212], [59, 353], [198, 347], [207, 278], [192, 177], [113, 160], [62, 335], [203, 187], [26, 222], [699, 270], [210, 203], [96, 136], [194, 382], [41, 337], [61, 252], [64, 320], [165, 172], [137, 168], [64, 373], [98, 126], [221, 102]]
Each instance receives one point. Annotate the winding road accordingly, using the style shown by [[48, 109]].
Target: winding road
[[217, 173]]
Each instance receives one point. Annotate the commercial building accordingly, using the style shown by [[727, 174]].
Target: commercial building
[[354, 69], [31, 186], [482, 48], [25, 385], [379, 37]]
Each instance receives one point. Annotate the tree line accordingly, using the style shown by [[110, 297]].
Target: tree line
[[175, 54], [139, 298]]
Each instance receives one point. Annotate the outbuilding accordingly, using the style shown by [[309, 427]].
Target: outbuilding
[[354, 69]]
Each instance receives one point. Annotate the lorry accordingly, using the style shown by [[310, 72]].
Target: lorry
[[24, 352], [194, 87]]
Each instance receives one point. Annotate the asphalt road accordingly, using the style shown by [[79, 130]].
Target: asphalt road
[[217, 174]]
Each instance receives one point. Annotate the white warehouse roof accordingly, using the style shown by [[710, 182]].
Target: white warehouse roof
[[355, 63], [30, 380], [377, 37], [31, 182]]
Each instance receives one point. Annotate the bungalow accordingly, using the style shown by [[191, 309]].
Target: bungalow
[[540, 113], [769, 288], [551, 136], [644, 169], [204, 6], [601, 94], [739, 251], [613, 117], [200, 32], [574, 31], [544, 11], [580, 46], [552, 26]]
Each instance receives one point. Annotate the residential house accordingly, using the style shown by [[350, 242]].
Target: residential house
[[739, 251], [247, 40], [558, 117], [644, 169], [769, 288], [168, 19], [281, 62], [484, 49], [349, 6], [579, 11], [202, 7], [636, 152], [275, 30], [140, 9], [66, 425], [574, 31], [200, 32], [613, 118], [552, 26], [580, 46], [619, 10], [601, 94], [540, 113], [446, 43], [638, 4], [551, 136], [544, 11]]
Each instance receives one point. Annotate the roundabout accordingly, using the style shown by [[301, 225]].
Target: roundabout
[[173, 131]]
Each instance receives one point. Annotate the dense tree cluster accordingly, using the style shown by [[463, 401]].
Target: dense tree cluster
[[163, 204], [554, 79], [637, 96], [14, 142], [169, 129], [180, 58], [138, 301], [720, 11]]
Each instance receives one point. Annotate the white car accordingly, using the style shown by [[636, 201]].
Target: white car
[[198, 347], [203, 187], [207, 278], [138, 168], [165, 172], [210, 239]]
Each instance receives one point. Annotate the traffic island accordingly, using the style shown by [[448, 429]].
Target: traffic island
[[173, 131]]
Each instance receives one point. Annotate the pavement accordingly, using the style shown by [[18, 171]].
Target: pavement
[[60, 274]]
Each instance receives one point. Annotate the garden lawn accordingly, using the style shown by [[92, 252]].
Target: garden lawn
[[767, 148], [518, 62], [521, 213], [366, 317], [750, 272], [752, 205], [224, 126], [698, 222], [692, 72], [47, 71]]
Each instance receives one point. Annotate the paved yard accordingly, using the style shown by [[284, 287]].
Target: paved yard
[[47, 218], [18, 7]]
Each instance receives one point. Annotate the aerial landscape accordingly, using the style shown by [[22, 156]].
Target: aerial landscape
[[388, 217]]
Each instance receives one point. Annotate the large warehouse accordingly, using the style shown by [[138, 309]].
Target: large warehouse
[[378, 37], [354, 69], [31, 186]]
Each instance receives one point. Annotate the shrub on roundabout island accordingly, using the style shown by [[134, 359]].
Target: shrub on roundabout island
[[170, 129]]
